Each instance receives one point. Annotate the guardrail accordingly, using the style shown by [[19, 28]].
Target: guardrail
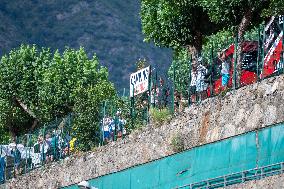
[[239, 177]]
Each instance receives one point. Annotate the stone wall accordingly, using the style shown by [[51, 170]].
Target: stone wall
[[239, 111]]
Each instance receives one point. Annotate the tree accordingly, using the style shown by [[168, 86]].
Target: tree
[[216, 42], [275, 7], [242, 14], [79, 85], [88, 107], [181, 63], [175, 23], [38, 86], [21, 74]]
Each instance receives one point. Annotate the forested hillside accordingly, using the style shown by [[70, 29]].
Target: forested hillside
[[110, 28]]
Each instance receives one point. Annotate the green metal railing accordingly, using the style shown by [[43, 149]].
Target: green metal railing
[[239, 177]]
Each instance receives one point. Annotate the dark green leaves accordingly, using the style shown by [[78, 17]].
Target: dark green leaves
[[174, 23], [49, 86]]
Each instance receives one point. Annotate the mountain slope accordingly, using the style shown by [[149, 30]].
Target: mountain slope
[[111, 29]]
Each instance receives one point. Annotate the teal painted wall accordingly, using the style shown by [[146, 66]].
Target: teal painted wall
[[212, 160]]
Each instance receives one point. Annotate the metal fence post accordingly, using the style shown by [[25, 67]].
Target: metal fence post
[[115, 125], [43, 143], [149, 94], [173, 94], [261, 172], [235, 62], [155, 88], [27, 157], [211, 74], [189, 80], [207, 184], [123, 94], [263, 52], [282, 53], [132, 107], [69, 135], [4, 168], [258, 54], [243, 177], [103, 121]]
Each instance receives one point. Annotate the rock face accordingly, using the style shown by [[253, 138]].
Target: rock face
[[239, 111]]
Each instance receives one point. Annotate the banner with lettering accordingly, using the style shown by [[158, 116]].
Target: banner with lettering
[[139, 81], [273, 46]]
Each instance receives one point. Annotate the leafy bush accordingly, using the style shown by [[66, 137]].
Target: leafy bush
[[160, 116]]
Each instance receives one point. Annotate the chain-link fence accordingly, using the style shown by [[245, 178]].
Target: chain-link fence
[[193, 81], [50, 143], [260, 56]]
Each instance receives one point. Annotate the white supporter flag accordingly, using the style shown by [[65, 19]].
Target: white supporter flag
[[139, 81]]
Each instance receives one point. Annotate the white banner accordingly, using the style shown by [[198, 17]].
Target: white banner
[[139, 81]]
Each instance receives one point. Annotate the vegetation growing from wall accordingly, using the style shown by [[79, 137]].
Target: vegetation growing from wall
[[160, 116], [177, 143]]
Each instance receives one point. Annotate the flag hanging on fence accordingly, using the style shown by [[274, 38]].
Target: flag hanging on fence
[[139, 81]]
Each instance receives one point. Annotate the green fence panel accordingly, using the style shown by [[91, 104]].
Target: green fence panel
[[121, 180], [228, 156], [271, 145], [145, 176], [243, 152], [75, 186], [176, 169]]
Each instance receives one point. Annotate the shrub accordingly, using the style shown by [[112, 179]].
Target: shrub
[[160, 116], [177, 143]]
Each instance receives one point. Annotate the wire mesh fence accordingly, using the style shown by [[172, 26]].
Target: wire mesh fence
[[51, 143], [192, 81]]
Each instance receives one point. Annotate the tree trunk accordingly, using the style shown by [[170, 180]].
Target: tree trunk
[[24, 107], [13, 133], [34, 124], [241, 31], [195, 48]]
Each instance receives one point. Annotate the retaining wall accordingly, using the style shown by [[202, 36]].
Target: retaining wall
[[239, 111]]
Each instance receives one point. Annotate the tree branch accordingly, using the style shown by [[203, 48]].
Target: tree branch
[[24, 107]]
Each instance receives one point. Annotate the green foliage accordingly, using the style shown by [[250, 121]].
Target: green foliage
[[4, 136], [21, 75], [222, 40], [181, 62], [177, 143], [275, 7], [216, 42], [86, 126], [175, 23], [38, 85], [141, 63], [241, 14], [230, 12], [160, 116]]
